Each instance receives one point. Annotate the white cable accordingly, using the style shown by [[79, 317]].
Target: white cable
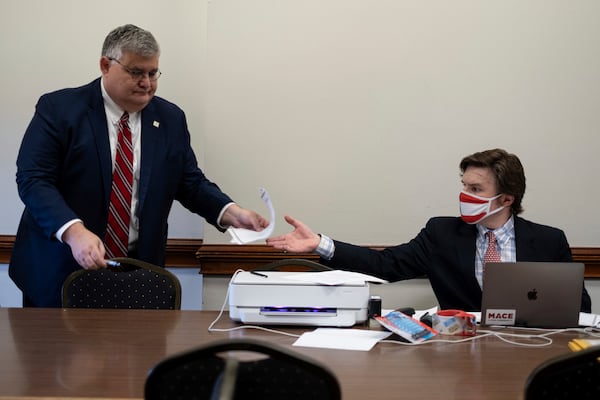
[[210, 327], [506, 337], [546, 341], [237, 328], [467, 339]]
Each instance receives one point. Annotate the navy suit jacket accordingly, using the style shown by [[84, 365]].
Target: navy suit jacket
[[444, 251], [64, 171]]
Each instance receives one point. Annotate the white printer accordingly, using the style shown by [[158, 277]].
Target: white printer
[[276, 298]]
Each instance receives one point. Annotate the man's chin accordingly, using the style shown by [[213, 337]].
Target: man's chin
[[139, 102]]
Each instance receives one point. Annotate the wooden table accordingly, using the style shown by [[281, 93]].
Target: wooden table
[[60, 353]]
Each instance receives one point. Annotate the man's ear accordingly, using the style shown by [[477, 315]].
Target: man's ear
[[507, 200], [104, 64]]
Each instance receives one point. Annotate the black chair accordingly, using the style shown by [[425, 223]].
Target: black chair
[[574, 375], [135, 284], [241, 369], [294, 264]]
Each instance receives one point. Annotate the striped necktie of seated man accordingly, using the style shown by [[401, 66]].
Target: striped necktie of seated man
[[119, 211], [491, 253]]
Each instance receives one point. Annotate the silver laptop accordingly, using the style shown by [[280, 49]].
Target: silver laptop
[[532, 294]]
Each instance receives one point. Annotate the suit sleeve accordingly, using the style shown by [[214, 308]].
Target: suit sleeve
[[401, 262], [195, 191], [39, 163]]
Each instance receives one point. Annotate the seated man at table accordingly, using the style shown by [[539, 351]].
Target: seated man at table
[[452, 251]]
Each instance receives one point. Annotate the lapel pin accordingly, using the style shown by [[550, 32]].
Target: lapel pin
[[156, 124]]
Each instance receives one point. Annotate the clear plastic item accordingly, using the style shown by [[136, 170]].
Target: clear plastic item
[[406, 327]]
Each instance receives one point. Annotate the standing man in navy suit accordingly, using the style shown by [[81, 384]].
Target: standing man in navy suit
[[450, 250], [65, 167]]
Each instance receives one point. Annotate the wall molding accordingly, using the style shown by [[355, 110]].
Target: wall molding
[[225, 259], [181, 253]]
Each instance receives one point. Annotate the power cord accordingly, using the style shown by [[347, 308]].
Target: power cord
[[511, 338], [211, 327]]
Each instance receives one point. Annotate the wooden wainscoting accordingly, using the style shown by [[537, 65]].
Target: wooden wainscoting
[[225, 259], [590, 256], [181, 253]]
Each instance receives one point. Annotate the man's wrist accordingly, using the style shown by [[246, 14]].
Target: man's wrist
[[326, 247], [59, 233], [222, 214]]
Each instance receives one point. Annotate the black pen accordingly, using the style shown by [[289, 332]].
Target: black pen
[[259, 274]]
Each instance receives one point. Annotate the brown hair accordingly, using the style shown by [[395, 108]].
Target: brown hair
[[506, 167]]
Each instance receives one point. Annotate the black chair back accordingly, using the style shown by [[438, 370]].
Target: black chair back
[[135, 284], [241, 369], [574, 375]]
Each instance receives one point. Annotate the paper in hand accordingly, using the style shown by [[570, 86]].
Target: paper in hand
[[243, 236]]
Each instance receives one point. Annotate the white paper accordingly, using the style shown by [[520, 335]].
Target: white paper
[[587, 319], [343, 339], [243, 236], [334, 278]]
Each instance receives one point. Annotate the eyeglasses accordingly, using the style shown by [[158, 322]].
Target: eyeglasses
[[138, 74]]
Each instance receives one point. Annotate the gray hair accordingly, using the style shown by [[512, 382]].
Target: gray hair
[[129, 38]]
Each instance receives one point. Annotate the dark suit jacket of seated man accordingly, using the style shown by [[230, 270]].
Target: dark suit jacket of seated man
[[444, 251]]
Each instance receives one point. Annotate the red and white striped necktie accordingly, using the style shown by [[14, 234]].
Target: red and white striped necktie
[[491, 253], [119, 211]]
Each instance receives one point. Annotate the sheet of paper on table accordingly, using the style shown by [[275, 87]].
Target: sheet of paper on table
[[343, 339]]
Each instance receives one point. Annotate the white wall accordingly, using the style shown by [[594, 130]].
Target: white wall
[[59, 46], [48, 45], [353, 114], [10, 295]]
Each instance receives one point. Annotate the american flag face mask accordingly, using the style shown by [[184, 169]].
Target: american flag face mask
[[475, 208]]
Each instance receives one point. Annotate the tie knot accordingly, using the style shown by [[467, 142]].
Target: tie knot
[[125, 117], [491, 236]]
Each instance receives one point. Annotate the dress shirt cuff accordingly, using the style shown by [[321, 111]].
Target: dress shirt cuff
[[326, 247], [221, 215], [59, 233]]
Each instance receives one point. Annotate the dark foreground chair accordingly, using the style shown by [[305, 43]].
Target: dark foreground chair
[[135, 284], [574, 375], [241, 369]]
